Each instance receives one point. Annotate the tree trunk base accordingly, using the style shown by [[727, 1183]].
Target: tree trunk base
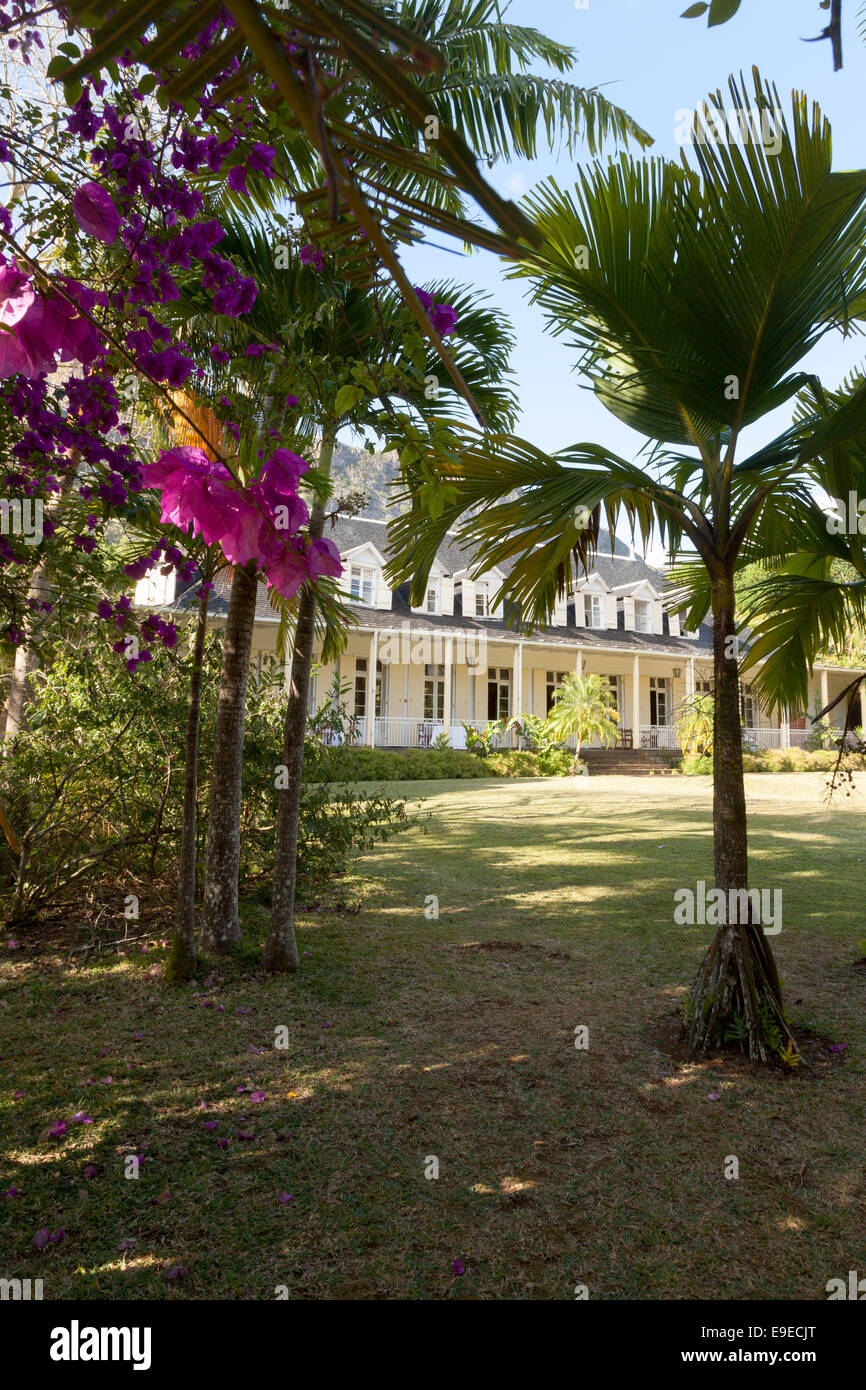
[[280, 959], [736, 999], [182, 962]]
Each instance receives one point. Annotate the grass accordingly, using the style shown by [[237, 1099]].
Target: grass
[[412, 1038]]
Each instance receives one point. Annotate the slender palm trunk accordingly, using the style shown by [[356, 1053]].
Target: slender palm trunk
[[736, 994], [182, 962], [281, 949], [220, 928]]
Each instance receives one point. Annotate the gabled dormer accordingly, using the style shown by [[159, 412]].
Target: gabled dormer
[[594, 604], [475, 597], [439, 594], [363, 577], [642, 607]]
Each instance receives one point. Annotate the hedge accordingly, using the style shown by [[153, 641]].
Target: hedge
[[432, 764]]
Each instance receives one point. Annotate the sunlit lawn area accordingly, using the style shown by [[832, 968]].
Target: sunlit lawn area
[[412, 1038]]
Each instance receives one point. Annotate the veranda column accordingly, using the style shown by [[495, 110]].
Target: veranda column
[[824, 689], [517, 681], [635, 701], [446, 719], [863, 707], [690, 678], [784, 728], [578, 663], [371, 691]]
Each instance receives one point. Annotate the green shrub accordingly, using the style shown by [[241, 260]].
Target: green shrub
[[697, 764], [393, 765], [796, 760]]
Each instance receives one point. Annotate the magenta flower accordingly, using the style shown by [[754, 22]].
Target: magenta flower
[[222, 1143], [19, 1095], [286, 1197], [79, 1118], [838, 1047], [210, 1124], [41, 1238], [324, 558], [459, 1266], [177, 1272], [443, 319], [425, 298], [16, 294], [311, 255], [95, 212], [257, 1095], [90, 1171], [57, 1130], [12, 1192]]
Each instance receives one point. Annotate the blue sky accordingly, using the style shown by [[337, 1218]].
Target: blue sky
[[654, 63]]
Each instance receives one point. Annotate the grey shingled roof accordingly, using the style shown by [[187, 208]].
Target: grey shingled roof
[[614, 569]]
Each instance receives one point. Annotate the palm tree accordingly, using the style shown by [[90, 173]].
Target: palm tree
[[582, 707], [811, 601], [693, 722], [695, 297]]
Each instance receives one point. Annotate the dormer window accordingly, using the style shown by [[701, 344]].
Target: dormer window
[[431, 602], [362, 583], [642, 616], [592, 610], [482, 599]]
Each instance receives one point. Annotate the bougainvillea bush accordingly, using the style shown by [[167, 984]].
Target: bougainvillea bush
[[95, 786]]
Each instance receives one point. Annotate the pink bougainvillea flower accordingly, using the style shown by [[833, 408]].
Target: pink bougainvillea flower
[[16, 294], [79, 1118], [57, 1236], [210, 1124], [425, 298], [282, 472], [838, 1047], [222, 1143], [11, 943], [108, 1080], [311, 255], [57, 1130], [238, 179], [241, 540], [128, 1243], [459, 1266], [41, 1238], [285, 567], [90, 1171], [19, 1095], [202, 1105], [240, 1090], [177, 1272], [257, 1095], [443, 319], [244, 1011], [246, 1134], [324, 558], [12, 1192], [714, 1095], [95, 212], [286, 1197]]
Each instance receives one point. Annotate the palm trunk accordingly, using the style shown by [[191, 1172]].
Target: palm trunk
[[221, 928], [281, 949], [182, 961], [736, 994]]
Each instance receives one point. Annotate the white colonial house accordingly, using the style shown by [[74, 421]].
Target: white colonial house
[[416, 673]]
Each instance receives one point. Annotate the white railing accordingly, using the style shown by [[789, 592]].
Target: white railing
[[659, 736], [761, 738], [407, 732]]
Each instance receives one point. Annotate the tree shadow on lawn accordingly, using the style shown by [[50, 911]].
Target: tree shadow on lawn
[[555, 1165]]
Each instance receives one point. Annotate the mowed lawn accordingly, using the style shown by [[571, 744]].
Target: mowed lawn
[[412, 1039]]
